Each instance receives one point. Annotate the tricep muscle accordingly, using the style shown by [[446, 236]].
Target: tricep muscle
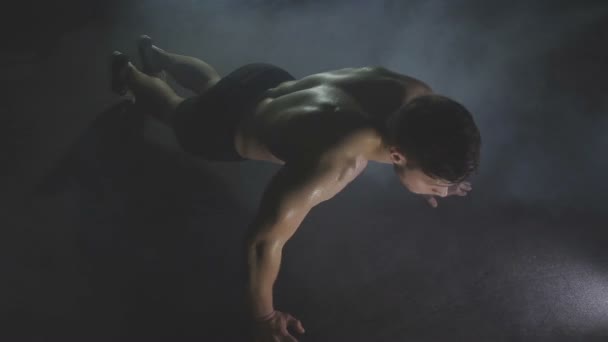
[[293, 191]]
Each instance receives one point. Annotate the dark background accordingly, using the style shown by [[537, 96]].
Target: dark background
[[110, 232]]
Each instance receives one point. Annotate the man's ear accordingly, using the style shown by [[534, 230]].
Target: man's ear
[[397, 157]]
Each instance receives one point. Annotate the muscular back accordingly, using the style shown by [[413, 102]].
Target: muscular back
[[302, 118]]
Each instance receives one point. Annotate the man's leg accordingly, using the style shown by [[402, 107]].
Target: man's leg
[[189, 72], [152, 95]]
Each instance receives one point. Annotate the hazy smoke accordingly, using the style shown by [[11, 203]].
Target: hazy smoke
[[529, 75]]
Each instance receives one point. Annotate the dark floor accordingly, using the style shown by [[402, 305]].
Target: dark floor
[[113, 233]]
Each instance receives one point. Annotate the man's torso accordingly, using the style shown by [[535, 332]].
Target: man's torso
[[301, 118]]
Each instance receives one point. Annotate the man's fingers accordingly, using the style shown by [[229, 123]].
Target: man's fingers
[[458, 192], [466, 186], [295, 323]]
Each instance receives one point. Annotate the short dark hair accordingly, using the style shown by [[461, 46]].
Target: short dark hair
[[438, 135]]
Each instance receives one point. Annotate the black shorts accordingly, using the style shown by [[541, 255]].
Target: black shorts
[[205, 125]]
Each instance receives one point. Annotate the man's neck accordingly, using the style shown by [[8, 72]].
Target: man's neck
[[378, 150]]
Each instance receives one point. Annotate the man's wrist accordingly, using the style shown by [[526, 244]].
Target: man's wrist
[[266, 317]]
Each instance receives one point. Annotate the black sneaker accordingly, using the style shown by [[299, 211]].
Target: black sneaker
[[119, 62], [150, 63]]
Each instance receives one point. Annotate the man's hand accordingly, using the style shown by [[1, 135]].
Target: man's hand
[[460, 189], [274, 328]]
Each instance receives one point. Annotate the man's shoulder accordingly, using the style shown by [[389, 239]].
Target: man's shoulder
[[352, 147], [412, 86]]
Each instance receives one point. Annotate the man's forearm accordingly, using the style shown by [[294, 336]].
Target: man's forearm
[[264, 261]]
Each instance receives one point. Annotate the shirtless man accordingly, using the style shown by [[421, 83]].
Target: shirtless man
[[323, 129]]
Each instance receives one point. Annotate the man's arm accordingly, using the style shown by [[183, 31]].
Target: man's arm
[[412, 87], [291, 194]]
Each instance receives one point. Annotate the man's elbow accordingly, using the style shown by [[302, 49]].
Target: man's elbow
[[261, 248], [267, 240], [273, 233], [263, 232]]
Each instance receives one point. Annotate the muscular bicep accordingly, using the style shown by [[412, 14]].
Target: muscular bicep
[[293, 191]]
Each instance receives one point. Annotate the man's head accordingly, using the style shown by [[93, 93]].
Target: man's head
[[433, 142]]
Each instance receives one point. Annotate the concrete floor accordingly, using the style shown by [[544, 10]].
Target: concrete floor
[[110, 232]]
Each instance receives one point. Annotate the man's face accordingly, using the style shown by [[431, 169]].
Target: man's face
[[418, 182], [414, 179]]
